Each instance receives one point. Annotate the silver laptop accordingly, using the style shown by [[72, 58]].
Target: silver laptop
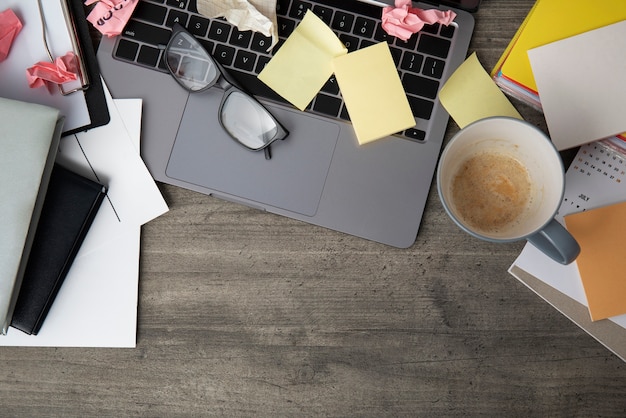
[[318, 174]]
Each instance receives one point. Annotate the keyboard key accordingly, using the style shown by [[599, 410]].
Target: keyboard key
[[420, 86], [381, 36], [331, 86], [176, 16], [208, 45], [434, 28], [364, 27], [344, 113], [433, 67], [240, 38], [224, 54], [366, 42], [421, 108], [180, 4], [149, 34], [285, 27], [324, 13], [261, 63], [342, 22], [412, 62], [126, 49], [410, 43], [350, 42], [219, 31], [415, 134], [148, 55], [198, 25], [245, 60], [299, 8], [327, 105], [447, 31], [396, 54], [149, 12], [282, 6], [433, 46], [260, 42]]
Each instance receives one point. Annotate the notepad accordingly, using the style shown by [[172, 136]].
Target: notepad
[[580, 81], [373, 93], [303, 63], [601, 262]]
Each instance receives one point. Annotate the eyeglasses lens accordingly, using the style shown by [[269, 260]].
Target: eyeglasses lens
[[190, 63], [248, 121]]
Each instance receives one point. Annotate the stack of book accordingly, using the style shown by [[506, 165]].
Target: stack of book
[[46, 212]]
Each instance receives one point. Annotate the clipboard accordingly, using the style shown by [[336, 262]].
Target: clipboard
[[67, 29], [94, 94]]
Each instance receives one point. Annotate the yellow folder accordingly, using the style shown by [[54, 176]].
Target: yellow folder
[[553, 20]]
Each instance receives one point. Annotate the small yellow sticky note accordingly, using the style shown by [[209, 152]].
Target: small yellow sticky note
[[470, 94], [304, 63], [373, 93]]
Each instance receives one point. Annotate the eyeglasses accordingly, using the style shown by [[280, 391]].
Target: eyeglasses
[[246, 120]]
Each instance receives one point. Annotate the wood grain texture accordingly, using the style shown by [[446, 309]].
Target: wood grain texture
[[244, 313]]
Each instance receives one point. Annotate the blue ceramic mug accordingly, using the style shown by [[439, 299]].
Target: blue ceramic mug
[[501, 179]]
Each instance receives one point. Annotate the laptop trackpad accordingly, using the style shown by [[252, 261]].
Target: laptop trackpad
[[293, 179]]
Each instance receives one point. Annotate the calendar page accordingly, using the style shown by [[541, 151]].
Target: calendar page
[[596, 177]]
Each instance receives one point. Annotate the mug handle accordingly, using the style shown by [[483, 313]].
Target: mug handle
[[556, 242]]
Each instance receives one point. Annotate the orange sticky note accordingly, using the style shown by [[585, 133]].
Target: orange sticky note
[[601, 263]]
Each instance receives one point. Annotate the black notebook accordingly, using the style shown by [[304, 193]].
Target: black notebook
[[70, 206]]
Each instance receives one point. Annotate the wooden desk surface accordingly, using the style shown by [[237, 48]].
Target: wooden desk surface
[[250, 314]]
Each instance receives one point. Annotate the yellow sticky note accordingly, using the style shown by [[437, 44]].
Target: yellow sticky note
[[373, 93], [470, 94], [304, 63]]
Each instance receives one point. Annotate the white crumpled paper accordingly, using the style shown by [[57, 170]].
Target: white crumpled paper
[[255, 15]]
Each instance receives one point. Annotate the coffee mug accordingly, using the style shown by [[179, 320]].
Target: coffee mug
[[502, 180]]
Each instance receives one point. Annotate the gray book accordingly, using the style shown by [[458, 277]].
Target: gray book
[[29, 139]]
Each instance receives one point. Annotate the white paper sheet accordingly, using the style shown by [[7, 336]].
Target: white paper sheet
[[581, 85], [97, 303], [105, 156], [28, 49]]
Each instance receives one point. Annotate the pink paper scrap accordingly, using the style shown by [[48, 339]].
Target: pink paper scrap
[[10, 26], [403, 20], [110, 16], [51, 74]]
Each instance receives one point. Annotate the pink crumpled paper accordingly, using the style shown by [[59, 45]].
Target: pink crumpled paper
[[110, 16], [10, 26], [51, 74], [403, 20]]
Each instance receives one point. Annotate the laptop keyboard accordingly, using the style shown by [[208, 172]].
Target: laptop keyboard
[[420, 60]]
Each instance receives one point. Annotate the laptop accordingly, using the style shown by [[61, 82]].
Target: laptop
[[319, 173]]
